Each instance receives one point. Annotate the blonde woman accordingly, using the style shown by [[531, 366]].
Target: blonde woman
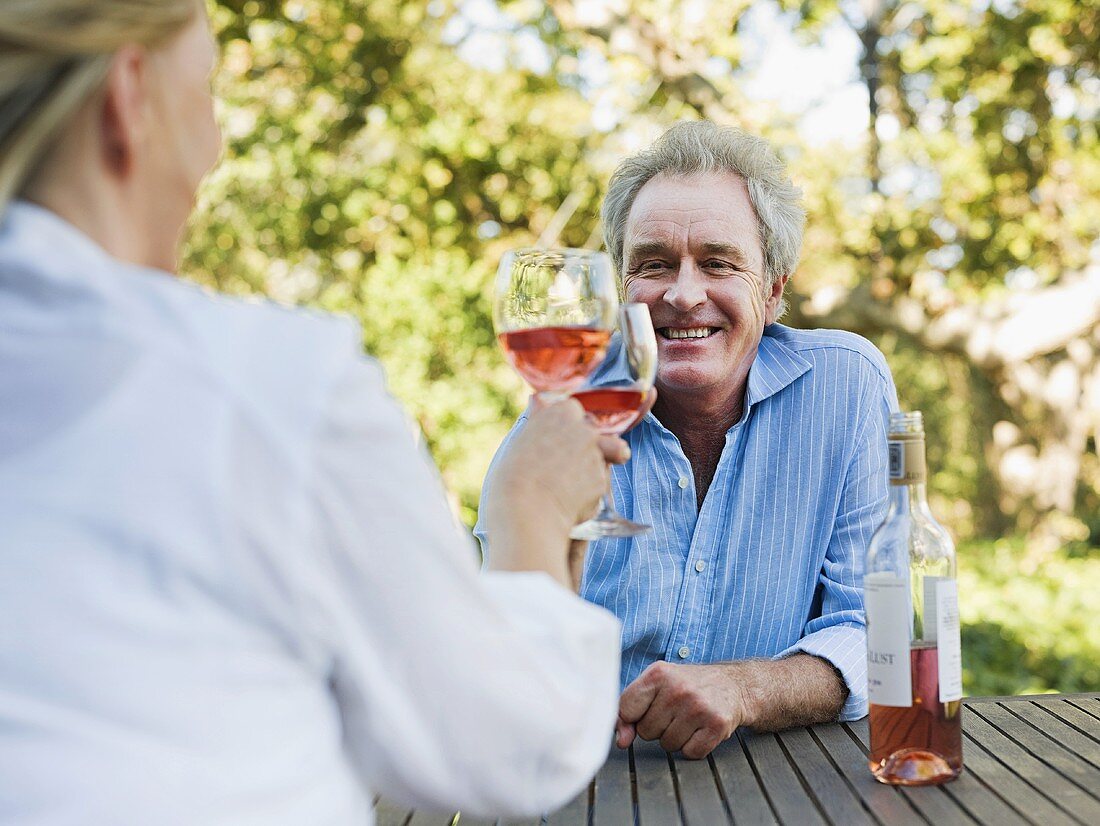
[[230, 589]]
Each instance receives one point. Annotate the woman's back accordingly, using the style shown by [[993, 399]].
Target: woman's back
[[153, 465]]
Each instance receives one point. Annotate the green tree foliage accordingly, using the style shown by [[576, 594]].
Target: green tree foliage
[[1027, 634]]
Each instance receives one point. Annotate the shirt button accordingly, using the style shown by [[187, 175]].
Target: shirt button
[[683, 652], [700, 565], [682, 482]]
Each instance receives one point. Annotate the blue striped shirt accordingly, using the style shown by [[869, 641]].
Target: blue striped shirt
[[772, 563]]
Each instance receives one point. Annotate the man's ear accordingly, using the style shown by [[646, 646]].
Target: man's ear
[[775, 300], [125, 111]]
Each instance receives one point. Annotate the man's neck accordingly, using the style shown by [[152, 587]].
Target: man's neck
[[700, 422], [692, 416]]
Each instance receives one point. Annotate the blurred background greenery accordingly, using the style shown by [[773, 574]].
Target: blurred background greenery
[[382, 154]]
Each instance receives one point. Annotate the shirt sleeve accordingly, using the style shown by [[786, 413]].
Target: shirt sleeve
[[839, 633], [493, 693]]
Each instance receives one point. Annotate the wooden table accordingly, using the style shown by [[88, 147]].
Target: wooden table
[[1026, 760]]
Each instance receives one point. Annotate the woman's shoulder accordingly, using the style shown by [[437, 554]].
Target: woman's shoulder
[[289, 356]]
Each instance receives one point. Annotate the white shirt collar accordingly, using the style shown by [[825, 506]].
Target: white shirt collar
[[36, 235]]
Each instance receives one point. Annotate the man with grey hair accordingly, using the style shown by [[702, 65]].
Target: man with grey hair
[[761, 467]]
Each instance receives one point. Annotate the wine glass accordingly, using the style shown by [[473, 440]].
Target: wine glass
[[615, 406], [554, 311]]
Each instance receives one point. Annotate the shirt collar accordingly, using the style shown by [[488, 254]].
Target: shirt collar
[[31, 233], [775, 367]]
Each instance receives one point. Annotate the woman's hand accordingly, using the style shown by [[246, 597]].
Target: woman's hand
[[550, 478]]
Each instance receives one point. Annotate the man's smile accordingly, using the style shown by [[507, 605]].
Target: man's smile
[[677, 333]]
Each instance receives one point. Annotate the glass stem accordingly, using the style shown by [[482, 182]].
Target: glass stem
[[607, 509]]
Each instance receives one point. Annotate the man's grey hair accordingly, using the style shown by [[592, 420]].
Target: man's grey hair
[[693, 147]]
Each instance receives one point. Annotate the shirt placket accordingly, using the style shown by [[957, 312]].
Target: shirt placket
[[689, 640]]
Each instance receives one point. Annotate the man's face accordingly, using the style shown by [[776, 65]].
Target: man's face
[[692, 252]]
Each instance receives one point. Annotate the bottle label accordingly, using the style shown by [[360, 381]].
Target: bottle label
[[947, 640], [886, 600], [906, 461]]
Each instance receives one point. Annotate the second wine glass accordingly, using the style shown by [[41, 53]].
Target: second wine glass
[[615, 406]]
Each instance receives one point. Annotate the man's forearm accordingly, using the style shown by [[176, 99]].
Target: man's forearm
[[799, 690]]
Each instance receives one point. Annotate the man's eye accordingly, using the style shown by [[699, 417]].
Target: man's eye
[[714, 263], [647, 268]]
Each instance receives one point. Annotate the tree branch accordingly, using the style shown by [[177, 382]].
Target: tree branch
[[1016, 329]]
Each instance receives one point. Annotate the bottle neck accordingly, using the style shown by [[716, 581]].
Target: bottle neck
[[908, 473], [909, 498]]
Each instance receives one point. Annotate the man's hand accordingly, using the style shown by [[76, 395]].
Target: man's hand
[[693, 708], [689, 708]]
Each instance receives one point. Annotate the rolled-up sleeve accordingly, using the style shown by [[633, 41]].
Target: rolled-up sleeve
[[839, 633], [492, 693]]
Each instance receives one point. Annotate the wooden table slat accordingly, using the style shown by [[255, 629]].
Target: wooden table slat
[[747, 800], [613, 803], [1071, 766], [935, 804], [781, 782], [1076, 719], [390, 814], [1039, 775], [700, 801], [862, 732], [657, 805], [833, 794], [438, 819], [1047, 720], [1007, 785], [884, 802], [1090, 705], [572, 813], [981, 802]]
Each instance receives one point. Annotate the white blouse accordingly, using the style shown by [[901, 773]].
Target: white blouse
[[230, 588]]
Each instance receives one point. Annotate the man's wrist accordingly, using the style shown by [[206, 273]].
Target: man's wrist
[[748, 691], [801, 689]]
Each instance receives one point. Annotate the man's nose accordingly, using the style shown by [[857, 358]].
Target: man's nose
[[689, 290]]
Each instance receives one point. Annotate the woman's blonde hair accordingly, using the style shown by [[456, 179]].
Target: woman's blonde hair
[[54, 55]]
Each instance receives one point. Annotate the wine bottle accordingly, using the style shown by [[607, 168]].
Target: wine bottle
[[914, 661]]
